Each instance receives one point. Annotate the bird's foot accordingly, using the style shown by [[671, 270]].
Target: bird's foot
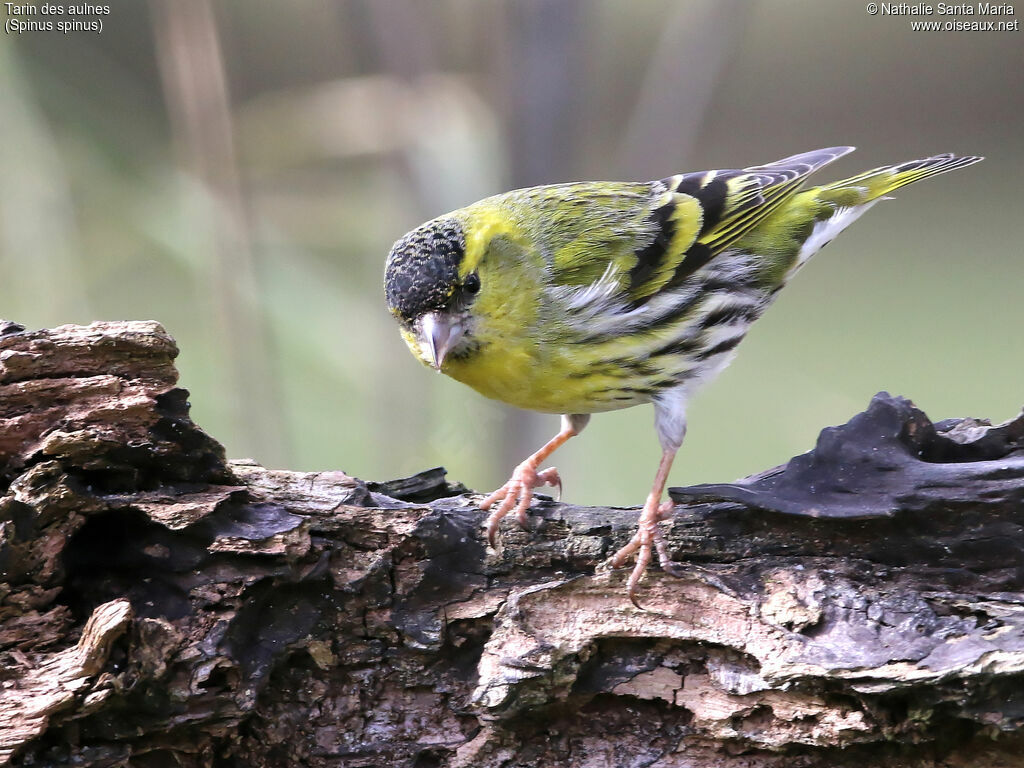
[[647, 540], [517, 494]]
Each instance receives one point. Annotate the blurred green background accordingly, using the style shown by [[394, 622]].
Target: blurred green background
[[238, 170]]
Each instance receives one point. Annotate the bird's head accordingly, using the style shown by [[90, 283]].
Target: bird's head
[[431, 288]]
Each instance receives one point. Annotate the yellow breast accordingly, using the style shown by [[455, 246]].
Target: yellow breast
[[525, 376]]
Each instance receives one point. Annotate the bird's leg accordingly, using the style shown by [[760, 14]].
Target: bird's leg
[[517, 493], [648, 536]]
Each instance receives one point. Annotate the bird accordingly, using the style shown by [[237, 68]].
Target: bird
[[587, 297]]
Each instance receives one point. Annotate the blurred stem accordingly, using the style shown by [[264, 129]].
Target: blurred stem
[[541, 79], [682, 76], [40, 251], [196, 89], [401, 31]]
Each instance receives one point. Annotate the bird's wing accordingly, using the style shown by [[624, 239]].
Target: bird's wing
[[733, 202], [621, 244]]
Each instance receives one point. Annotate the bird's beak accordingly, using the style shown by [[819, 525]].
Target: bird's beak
[[439, 332]]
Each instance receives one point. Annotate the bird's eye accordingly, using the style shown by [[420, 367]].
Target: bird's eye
[[472, 284]]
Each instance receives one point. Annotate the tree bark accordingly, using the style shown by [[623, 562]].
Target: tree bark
[[161, 606]]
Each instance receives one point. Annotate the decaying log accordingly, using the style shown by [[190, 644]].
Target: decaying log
[[161, 606]]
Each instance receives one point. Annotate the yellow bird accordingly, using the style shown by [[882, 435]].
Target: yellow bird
[[588, 297]]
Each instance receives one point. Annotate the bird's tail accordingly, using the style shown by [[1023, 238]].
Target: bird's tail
[[877, 183], [821, 213]]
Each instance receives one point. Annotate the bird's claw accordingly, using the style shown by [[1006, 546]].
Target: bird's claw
[[516, 495], [551, 478], [645, 542]]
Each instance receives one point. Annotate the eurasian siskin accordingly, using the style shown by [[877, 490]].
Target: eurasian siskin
[[588, 297]]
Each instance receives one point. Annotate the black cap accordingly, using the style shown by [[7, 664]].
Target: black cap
[[423, 267]]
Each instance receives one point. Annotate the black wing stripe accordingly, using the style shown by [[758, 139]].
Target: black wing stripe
[[757, 213], [712, 199], [696, 257], [711, 194], [652, 255]]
